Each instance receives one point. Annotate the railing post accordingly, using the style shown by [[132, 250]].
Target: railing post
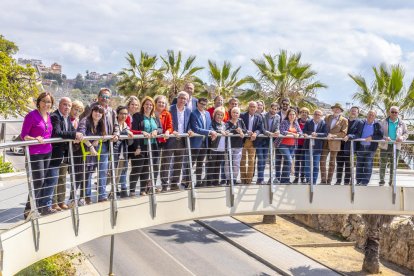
[[153, 199], [351, 162], [190, 161], [75, 209], [394, 176], [272, 185], [34, 213], [114, 205], [311, 186], [3, 138], [111, 256], [232, 180]]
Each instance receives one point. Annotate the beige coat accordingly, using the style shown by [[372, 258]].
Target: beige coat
[[402, 132], [339, 129]]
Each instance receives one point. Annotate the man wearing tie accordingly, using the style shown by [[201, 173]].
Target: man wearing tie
[[200, 123]]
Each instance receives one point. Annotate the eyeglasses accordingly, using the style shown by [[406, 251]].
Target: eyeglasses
[[394, 112], [105, 97]]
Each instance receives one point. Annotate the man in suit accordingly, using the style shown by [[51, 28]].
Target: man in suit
[[369, 130], [191, 102], [343, 158], [62, 128], [254, 125], [176, 146], [271, 123], [315, 127], [337, 127], [200, 123]]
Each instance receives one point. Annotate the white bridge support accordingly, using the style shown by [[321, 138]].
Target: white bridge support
[[57, 232]]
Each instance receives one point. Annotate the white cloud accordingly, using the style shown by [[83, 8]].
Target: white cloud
[[337, 37]]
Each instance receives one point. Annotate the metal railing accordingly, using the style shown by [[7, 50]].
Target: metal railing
[[153, 159]]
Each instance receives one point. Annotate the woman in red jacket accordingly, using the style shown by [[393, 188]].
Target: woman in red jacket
[[162, 113]]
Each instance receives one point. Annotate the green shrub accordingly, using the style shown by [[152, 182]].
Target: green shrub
[[5, 167], [56, 265]]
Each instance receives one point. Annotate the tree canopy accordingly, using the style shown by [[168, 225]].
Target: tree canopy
[[18, 84]]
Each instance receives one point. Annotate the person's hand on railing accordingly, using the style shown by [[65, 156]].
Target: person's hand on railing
[[154, 133], [114, 138], [146, 134], [368, 139], [166, 135], [130, 134], [331, 136], [388, 139], [346, 138], [314, 134], [40, 139], [190, 133], [95, 143], [276, 134], [399, 139], [78, 137], [137, 152], [253, 137]]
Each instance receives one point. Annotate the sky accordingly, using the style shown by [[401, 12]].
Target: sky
[[336, 37]]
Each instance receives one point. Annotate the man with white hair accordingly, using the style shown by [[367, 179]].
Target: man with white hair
[[62, 128], [395, 131], [191, 102]]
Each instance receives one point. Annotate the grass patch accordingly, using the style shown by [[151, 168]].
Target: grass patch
[[56, 265]]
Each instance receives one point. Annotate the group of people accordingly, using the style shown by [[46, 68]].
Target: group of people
[[223, 142]]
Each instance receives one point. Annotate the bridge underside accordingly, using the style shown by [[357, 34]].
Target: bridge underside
[[57, 231]]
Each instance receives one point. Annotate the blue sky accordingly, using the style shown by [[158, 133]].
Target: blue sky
[[336, 37]]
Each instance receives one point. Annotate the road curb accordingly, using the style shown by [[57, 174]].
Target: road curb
[[12, 176]]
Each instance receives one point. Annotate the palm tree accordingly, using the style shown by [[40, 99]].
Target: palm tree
[[284, 76], [386, 90], [177, 73], [224, 80], [142, 77], [373, 225]]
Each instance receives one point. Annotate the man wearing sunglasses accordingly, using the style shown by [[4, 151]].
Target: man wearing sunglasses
[[395, 131]]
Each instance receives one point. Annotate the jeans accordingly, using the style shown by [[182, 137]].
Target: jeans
[[48, 188], [278, 164], [287, 153], [103, 169], [39, 164], [316, 160], [262, 152], [364, 166], [300, 162]]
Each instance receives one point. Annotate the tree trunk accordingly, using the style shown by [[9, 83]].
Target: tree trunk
[[373, 224], [269, 219]]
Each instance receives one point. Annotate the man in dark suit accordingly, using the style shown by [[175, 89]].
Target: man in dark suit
[[176, 146], [62, 128], [200, 123], [315, 127], [254, 125], [343, 158], [191, 102], [271, 124]]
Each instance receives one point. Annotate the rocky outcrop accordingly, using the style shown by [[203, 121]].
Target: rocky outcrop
[[397, 239]]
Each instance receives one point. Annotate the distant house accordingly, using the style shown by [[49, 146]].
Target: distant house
[[56, 68]]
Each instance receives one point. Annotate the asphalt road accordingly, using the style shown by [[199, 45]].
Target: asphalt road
[[172, 249]]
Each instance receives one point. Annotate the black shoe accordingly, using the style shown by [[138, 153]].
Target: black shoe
[[123, 194], [382, 182], [296, 181], [175, 187], [223, 182], [48, 211]]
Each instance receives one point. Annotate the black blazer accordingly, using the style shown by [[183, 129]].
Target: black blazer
[[236, 141], [138, 124], [257, 125], [217, 127], [60, 150], [353, 133], [321, 131], [378, 135]]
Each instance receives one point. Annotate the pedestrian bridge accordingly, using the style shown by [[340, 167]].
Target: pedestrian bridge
[[43, 236]]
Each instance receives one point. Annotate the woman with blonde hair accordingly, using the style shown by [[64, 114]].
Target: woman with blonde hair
[[133, 105]]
